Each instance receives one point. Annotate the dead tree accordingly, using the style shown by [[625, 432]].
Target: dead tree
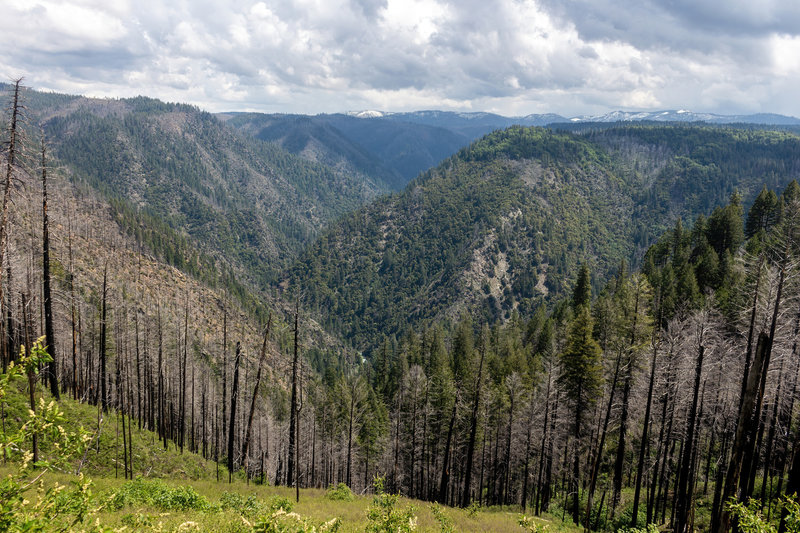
[[51, 369], [246, 443]]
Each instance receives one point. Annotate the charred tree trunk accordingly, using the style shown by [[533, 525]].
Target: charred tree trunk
[[11, 162], [599, 451], [103, 329], [445, 479], [293, 404], [234, 397], [473, 431], [49, 332], [263, 356], [683, 496], [644, 441]]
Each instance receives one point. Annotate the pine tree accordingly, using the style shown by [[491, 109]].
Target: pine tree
[[580, 379]]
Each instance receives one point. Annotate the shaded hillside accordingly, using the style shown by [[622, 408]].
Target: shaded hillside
[[313, 139], [386, 150], [507, 221], [247, 204], [473, 125]]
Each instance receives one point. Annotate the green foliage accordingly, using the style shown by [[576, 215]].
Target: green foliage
[[384, 515], [582, 294], [445, 522], [281, 521], [56, 506], [156, 493], [248, 507], [650, 528], [198, 195], [749, 518], [277, 503], [473, 509], [529, 524], [764, 212], [340, 492], [581, 374]]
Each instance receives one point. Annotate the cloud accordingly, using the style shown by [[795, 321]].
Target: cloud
[[509, 56]]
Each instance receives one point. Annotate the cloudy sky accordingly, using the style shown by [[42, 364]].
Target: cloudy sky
[[513, 57]]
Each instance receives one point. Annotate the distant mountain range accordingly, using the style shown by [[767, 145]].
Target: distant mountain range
[[485, 122], [393, 148]]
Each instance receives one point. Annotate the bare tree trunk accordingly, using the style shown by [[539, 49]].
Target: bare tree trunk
[[293, 406], [263, 356], [750, 410], [684, 482], [445, 481], [234, 397], [72, 314], [103, 329], [182, 400], [11, 162], [224, 427], [50, 337], [473, 429], [599, 451], [643, 445]]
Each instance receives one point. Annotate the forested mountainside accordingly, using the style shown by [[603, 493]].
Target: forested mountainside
[[505, 223], [315, 140], [128, 331], [654, 402], [392, 150], [671, 392], [249, 206]]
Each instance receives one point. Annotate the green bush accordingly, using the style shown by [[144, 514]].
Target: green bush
[[750, 520], [158, 494], [282, 522], [649, 528], [55, 508], [528, 524], [385, 517], [340, 492], [247, 507], [277, 503], [445, 522]]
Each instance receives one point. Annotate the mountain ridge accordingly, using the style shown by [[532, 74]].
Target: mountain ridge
[[503, 225]]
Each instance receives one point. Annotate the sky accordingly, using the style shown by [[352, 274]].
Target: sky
[[513, 57]]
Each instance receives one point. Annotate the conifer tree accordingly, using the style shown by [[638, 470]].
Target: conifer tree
[[581, 376]]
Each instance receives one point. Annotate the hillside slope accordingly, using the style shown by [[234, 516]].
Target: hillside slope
[[382, 148], [508, 221], [249, 205]]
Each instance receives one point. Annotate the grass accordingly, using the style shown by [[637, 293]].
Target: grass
[[313, 504], [180, 491], [141, 515], [104, 456]]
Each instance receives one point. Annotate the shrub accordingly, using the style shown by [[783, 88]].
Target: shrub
[[649, 528], [58, 507], [282, 522], [277, 503], [385, 517], [247, 507], [445, 522], [158, 494], [528, 524], [340, 492]]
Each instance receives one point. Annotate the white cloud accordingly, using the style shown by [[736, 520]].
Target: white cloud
[[508, 56]]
